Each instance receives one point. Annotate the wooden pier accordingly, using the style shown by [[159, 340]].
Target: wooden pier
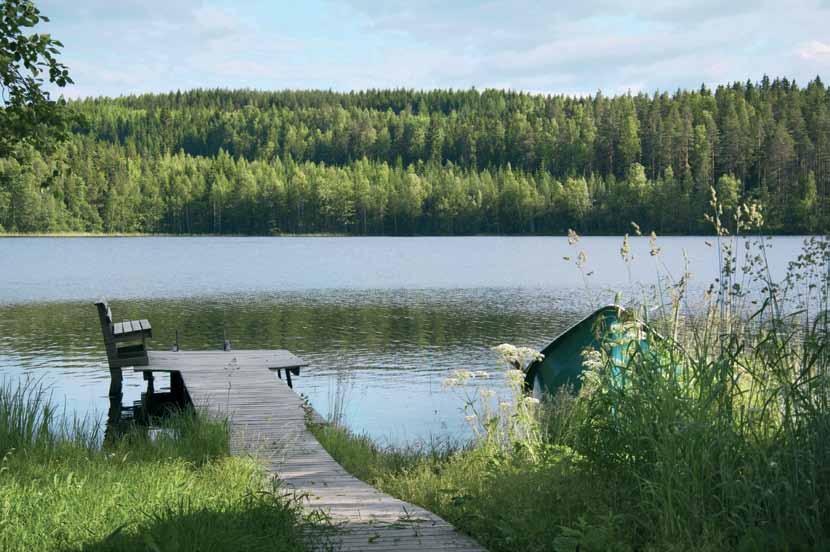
[[268, 421]]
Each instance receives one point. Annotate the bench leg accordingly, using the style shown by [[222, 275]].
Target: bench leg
[[115, 382], [177, 386], [113, 428], [151, 382], [114, 413]]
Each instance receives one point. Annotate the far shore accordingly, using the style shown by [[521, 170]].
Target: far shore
[[160, 235], [344, 235]]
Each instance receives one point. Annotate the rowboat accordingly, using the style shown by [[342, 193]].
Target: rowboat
[[563, 359]]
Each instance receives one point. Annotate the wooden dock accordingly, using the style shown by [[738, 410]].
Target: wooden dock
[[268, 420]]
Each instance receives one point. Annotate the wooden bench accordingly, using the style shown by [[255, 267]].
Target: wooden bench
[[127, 346], [125, 342]]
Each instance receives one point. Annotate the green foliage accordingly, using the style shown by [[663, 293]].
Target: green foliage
[[174, 488], [504, 501], [437, 162], [27, 115], [716, 436]]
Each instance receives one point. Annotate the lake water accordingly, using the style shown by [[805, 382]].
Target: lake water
[[383, 321]]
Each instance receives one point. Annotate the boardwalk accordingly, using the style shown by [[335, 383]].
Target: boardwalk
[[268, 420]]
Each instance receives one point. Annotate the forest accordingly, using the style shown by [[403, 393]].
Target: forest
[[442, 162]]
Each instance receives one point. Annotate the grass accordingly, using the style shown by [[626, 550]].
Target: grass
[[175, 489], [502, 501], [715, 437]]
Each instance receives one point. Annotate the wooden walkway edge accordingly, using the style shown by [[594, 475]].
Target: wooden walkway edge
[[268, 421]]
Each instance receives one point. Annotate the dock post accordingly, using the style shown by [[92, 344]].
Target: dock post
[[114, 424], [150, 379], [177, 386], [115, 382]]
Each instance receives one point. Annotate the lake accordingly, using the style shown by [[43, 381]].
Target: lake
[[383, 321]]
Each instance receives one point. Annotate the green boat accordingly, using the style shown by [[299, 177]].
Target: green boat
[[563, 358]]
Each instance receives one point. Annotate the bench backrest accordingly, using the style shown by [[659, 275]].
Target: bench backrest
[[105, 317]]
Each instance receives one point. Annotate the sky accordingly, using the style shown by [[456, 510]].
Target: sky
[[119, 47]]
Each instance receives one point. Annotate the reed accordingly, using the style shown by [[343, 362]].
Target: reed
[[716, 436], [174, 488]]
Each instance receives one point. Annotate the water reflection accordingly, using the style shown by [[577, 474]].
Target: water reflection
[[156, 402], [395, 346], [382, 321]]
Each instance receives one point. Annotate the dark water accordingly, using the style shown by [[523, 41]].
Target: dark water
[[383, 321]]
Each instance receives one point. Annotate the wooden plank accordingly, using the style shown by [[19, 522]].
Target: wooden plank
[[268, 421], [223, 361]]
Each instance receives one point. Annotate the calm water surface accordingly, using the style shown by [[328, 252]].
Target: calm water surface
[[382, 320]]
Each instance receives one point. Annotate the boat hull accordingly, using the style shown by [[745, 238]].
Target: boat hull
[[563, 359]]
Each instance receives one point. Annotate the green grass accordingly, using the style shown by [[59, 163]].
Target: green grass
[[504, 502], [173, 490], [717, 437]]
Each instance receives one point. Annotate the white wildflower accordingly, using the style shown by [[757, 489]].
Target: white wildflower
[[517, 357], [450, 382], [505, 350], [592, 359], [515, 377], [462, 375], [471, 418], [504, 405], [487, 393], [531, 401], [591, 382]]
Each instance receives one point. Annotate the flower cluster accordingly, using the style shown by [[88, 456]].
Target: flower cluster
[[462, 376], [517, 357], [501, 422]]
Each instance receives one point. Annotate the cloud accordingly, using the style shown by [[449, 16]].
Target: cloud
[[554, 47], [214, 23], [578, 46], [815, 50]]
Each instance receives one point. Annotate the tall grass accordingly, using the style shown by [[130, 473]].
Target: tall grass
[[175, 488], [29, 420], [714, 436]]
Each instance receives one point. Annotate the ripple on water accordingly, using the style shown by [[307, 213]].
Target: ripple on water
[[383, 321]]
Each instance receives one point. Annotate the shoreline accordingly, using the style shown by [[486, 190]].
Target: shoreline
[[332, 235]]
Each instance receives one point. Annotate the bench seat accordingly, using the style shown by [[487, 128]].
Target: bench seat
[[132, 329]]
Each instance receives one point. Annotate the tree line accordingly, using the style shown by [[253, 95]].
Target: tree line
[[436, 162]]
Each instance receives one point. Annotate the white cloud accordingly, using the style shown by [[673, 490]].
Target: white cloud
[[815, 50], [611, 45], [215, 23], [557, 47]]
